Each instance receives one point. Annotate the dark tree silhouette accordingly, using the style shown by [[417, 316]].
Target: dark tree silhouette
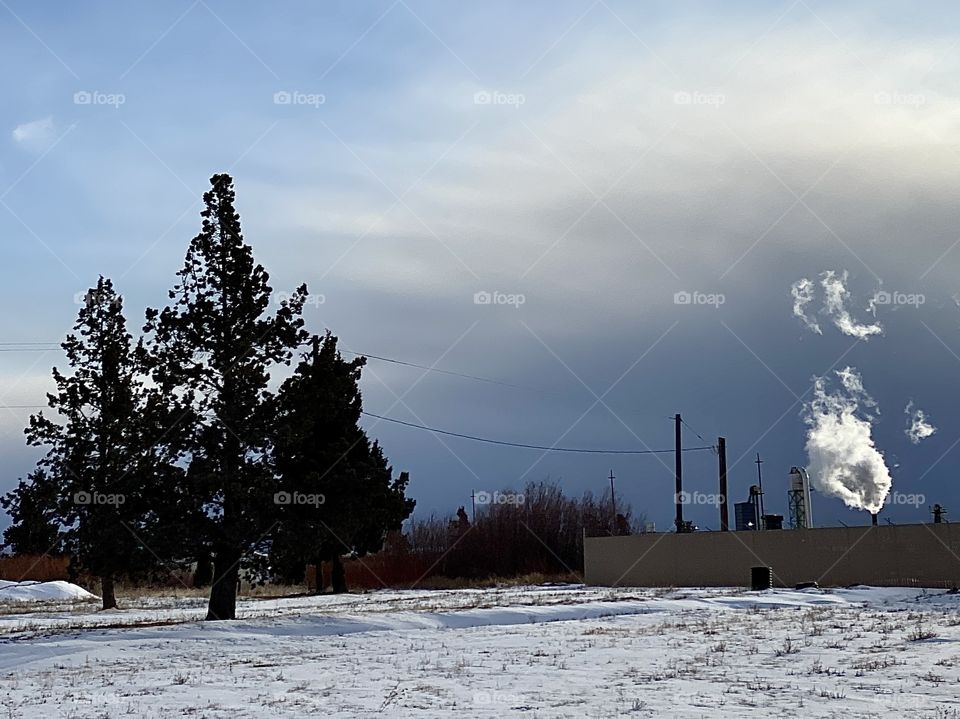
[[340, 497], [212, 350], [35, 527], [98, 479]]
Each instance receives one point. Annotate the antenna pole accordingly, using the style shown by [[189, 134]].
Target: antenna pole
[[678, 461], [613, 501]]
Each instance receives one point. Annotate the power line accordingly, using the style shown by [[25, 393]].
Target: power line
[[435, 369], [380, 358], [28, 349], [687, 425], [25, 347], [475, 439], [531, 446], [51, 346]]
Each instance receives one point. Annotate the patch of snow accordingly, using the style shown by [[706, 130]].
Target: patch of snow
[[41, 591]]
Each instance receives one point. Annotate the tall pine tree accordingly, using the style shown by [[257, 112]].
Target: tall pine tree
[[96, 478], [212, 349]]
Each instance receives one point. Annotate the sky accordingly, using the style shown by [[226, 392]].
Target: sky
[[635, 187]]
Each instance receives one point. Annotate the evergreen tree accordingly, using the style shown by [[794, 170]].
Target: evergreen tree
[[35, 528], [96, 480], [339, 495], [212, 350]]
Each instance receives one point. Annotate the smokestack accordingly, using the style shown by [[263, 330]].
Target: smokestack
[[873, 518], [722, 453]]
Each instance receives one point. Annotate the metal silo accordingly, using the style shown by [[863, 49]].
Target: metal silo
[[798, 499]]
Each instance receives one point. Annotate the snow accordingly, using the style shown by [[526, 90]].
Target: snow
[[527, 651], [41, 591]]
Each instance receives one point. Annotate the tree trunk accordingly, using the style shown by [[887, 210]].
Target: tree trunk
[[318, 576], [338, 577], [204, 572], [107, 592], [223, 591]]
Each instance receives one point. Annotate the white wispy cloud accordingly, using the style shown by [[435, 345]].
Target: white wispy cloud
[[835, 299], [803, 291], [835, 305], [918, 427], [35, 135]]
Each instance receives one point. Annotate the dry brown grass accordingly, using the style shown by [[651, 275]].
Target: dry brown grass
[[371, 573], [493, 582], [42, 568], [269, 591], [276, 591]]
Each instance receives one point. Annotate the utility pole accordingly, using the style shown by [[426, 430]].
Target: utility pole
[[722, 454], [678, 460], [613, 501], [473, 504], [760, 485]]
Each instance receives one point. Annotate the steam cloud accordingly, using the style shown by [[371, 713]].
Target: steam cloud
[[844, 462], [919, 427], [834, 304], [803, 291], [835, 297]]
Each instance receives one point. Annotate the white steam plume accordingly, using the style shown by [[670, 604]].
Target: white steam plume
[[844, 462], [834, 304], [919, 427], [803, 291]]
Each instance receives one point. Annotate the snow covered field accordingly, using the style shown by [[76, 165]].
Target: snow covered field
[[530, 652]]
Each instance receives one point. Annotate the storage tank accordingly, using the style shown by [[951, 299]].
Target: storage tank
[[798, 499]]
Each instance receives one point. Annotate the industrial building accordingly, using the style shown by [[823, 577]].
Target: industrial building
[[923, 555], [890, 555]]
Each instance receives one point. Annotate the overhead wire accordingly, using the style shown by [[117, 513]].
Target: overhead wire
[[45, 346], [522, 445]]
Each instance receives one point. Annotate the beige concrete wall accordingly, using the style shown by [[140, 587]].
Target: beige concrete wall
[[901, 555]]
